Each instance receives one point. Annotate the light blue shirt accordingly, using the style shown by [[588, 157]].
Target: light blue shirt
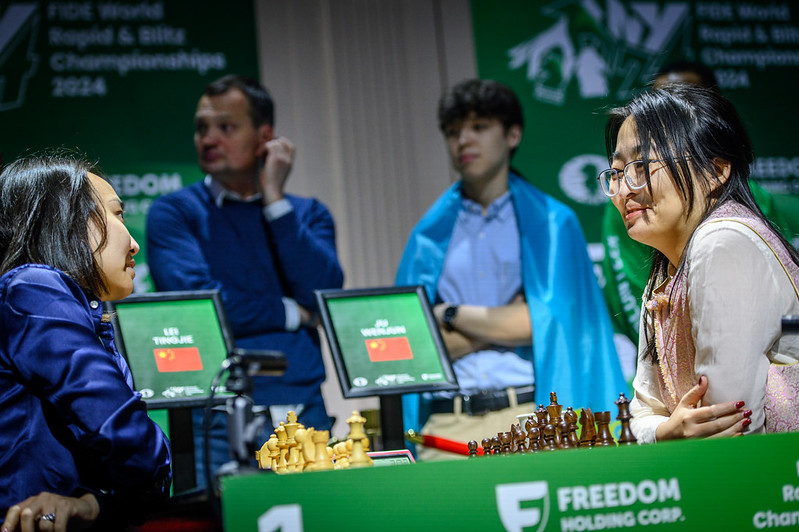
[[483, 267]]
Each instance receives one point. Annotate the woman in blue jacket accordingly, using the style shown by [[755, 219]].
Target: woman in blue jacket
[[77, 449]]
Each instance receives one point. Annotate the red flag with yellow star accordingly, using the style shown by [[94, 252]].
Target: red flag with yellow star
[[178, 359], [385, 349]]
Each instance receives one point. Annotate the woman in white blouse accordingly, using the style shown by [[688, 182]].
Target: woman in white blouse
[[712, 357]]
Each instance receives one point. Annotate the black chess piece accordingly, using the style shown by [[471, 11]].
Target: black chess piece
[[571, 422], [486, 446], [549, 438], [533, 439], [626, 436], [588, 434], [603, 436], [519, 438], [542, 415], [496, 446], [472, 446], [506, 440]]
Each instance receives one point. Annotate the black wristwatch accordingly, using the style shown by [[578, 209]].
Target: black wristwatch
[[449, 317]]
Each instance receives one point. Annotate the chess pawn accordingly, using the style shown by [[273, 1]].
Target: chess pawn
[[358, 457], [603, 436], [520, 438], [505, 439], [299, 438], [472, 446], [486, 443], [496, 446], [549, 438], [565, 441], [533, 439], [626, 436], [340, 455]]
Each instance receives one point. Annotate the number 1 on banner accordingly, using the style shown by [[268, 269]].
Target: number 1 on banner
[[286, 518]]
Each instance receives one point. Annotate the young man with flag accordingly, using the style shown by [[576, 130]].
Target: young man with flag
[[516, 297], [267, 251]]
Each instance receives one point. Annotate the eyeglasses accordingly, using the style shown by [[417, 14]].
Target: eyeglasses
[[634, 173]]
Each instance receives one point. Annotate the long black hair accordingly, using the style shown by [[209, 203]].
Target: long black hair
[[47, 204], [693, 130]]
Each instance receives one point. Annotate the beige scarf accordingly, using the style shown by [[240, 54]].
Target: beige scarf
[[675, 345]]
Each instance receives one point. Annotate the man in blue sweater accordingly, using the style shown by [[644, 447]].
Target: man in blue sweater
[[267, 251]]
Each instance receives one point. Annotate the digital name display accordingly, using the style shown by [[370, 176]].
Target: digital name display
[[174, 343], [385, 341]]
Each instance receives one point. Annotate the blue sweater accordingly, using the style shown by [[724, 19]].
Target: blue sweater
[[70, 422], [193, 244]]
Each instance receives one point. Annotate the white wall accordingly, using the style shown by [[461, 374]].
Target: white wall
[[356, 84]]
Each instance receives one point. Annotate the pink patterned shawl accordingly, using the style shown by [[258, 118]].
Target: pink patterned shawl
[[675, 345]]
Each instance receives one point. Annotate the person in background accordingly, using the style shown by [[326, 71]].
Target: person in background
[[712, 357], [515, 295], [626, 262], [77, 448], [265, 250]]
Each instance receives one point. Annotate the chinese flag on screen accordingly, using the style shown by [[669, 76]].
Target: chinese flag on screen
[[384, 349], [178, 359]]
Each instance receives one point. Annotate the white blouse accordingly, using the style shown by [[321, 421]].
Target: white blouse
[[738, 292]]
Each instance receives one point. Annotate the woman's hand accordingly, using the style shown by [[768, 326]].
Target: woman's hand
[[690, 421], [48, 511]]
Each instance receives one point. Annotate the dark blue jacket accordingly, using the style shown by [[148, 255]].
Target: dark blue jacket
[[70, 421]]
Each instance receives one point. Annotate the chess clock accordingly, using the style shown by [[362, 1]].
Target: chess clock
[[390, 458]]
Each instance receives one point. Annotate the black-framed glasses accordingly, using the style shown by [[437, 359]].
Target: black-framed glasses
[[634, 173]]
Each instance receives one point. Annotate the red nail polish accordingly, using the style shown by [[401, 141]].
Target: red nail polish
[[746, 422], [739, 404], [747, 413]]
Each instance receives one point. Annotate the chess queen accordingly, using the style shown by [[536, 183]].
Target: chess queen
[[712, 359]]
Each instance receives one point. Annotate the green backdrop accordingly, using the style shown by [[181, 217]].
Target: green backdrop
[[120, 82], [569, 60]]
